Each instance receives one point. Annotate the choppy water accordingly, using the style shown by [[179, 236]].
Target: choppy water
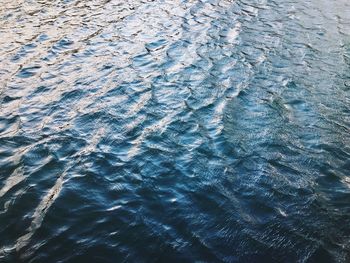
[[174, 131]]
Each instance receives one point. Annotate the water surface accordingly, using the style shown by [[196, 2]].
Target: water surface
[[174, 131]]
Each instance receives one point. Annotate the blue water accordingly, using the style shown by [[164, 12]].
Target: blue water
[[175, 131]]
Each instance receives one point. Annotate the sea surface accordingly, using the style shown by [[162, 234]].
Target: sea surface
[[175, 131]]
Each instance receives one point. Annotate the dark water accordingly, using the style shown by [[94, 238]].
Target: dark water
[[175, 131]]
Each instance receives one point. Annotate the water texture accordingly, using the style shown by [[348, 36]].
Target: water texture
[[174, 131]]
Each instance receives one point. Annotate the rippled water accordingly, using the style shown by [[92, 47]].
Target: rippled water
[[174, 131]]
